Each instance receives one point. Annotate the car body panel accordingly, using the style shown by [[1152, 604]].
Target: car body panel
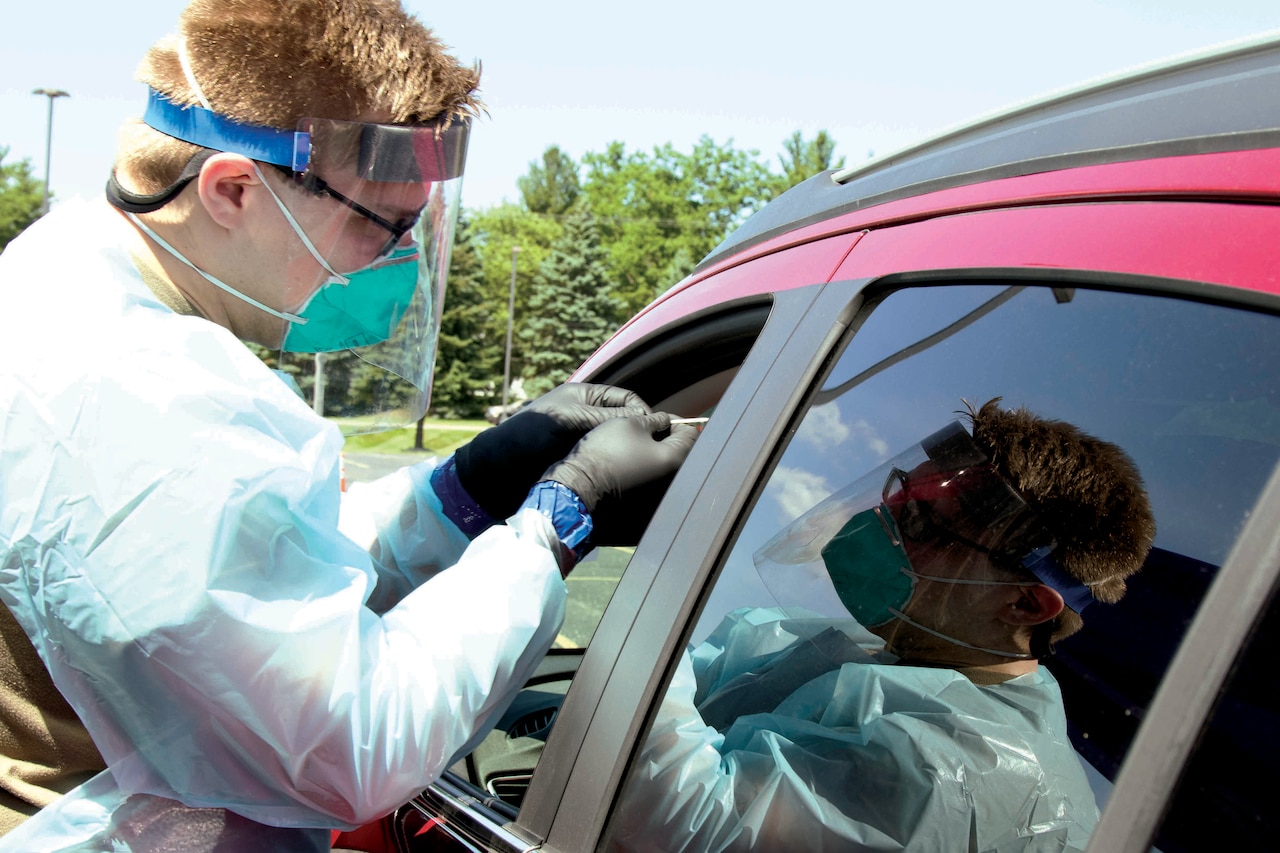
[[1230, 244], [812, 263]]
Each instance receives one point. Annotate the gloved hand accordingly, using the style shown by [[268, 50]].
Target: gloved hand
[[621, 470], [501, 464]]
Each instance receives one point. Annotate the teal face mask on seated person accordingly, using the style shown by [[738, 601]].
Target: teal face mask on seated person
[[366, 310], [869, 567]]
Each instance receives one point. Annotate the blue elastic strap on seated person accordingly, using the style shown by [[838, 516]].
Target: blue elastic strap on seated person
[[1041, 563], [288, 148]]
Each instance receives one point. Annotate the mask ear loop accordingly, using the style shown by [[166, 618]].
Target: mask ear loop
[[292, 318], [338, 277]]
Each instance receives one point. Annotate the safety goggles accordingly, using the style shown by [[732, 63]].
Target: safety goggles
[[318, 186]]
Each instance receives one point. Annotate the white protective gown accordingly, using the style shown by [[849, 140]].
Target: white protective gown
[[174, 542], [780, 732]]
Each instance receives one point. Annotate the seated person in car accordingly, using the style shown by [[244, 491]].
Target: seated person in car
[[925, 722]]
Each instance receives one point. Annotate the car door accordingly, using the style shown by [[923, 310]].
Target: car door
[[1181, 373]]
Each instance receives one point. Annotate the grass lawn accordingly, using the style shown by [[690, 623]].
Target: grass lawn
[[439, 437]]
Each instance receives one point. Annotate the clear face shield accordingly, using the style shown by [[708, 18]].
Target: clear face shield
[[937, 512], [372, 208]]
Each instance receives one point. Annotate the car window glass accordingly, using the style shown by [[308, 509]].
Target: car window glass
[[591, 585], [685, 373], [789, 723], [1220, 803]]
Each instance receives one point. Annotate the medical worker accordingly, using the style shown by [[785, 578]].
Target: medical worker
[[189, 599], [925, 722]]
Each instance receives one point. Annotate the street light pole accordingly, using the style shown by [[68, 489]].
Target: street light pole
[[48, 138], [511, 315]]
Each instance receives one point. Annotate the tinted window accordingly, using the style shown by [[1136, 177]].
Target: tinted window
[[1220, 802], [787, 724]]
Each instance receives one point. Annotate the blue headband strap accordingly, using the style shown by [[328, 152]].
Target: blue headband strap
[[291, 149], [1041, 563]]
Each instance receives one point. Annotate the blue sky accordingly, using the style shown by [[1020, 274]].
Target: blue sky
[[877, 76]]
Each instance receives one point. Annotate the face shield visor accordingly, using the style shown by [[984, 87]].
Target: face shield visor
[[372, 208], [936, 512]]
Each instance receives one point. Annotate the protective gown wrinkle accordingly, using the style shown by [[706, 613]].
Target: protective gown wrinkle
[[872, 755], [207, 575]]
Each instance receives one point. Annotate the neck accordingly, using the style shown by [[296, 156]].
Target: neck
[[918, 645], [158, 262]]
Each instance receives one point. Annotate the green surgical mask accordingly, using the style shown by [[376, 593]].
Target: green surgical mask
[[365, 310], [869, 567]]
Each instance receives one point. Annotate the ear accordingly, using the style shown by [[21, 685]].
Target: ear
[[221, 186], [1032, 605]]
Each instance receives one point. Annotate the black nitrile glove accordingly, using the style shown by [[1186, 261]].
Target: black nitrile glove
[[501, 464], [621, 470]]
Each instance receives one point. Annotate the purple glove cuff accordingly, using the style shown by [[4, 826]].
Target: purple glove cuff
[[459, 507], [567, 513]]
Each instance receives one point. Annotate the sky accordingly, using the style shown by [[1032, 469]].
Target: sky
[[876, 76]]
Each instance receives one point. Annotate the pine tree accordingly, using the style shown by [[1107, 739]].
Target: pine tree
[[572, 310], [470, 350]]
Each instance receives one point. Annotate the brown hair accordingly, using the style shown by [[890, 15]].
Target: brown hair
[[1087, 492], [273, 62]]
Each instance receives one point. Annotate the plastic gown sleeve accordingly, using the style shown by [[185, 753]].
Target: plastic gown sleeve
[[864, 757], [399, 519], [189, 588]]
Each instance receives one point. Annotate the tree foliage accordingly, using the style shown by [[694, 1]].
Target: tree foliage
[[660, 213], [497, 231], [21, 198], [551, 187], [471, 348], [572, 310], [802, 159]]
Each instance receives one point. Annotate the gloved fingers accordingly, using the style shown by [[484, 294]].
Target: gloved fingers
[[613, 397], [622, 513], [577, 395], [681, 437], [576, 408]]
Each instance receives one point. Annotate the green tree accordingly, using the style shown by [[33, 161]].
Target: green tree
[[802, 159], [572, 310], [495, 232], [471, 348], [21, 198], [552, 187], [660, 213]]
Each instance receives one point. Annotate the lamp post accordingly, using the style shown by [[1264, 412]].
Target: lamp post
[[511, 315], [48, 137]]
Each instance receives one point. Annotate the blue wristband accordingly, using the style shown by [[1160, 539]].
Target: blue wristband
[[567, 514], [459, 507]]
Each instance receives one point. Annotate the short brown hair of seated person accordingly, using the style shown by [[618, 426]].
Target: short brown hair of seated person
[[1087, 493], [274, 62]]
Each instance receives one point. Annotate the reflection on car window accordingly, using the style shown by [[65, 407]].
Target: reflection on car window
[[946, 614]]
